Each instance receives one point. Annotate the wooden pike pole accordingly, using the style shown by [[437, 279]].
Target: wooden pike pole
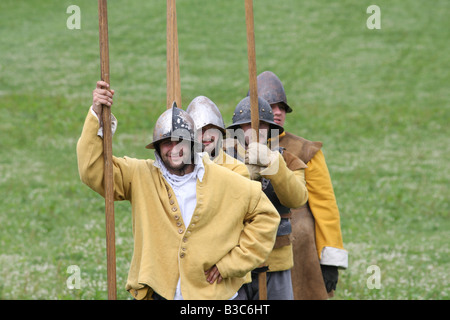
[[252, 69], [107, 151], [173, 66], [262, 276]]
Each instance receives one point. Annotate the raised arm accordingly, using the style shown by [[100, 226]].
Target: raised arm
[[90, 150]]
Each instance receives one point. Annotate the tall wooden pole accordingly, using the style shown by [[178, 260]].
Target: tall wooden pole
[[176, 58], [262, 276], [252, 69], [107, 151], [173, 66]]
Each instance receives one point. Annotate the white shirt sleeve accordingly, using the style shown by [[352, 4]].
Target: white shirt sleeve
[[113, 124]]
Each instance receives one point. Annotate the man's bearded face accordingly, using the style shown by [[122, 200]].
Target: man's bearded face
[[175, 154]]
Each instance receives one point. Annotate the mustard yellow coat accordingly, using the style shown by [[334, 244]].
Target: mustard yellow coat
[[233, 228], [288, 181], [227, 161], [290, 187]]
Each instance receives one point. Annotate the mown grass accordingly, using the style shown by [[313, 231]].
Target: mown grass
[[378, 99]]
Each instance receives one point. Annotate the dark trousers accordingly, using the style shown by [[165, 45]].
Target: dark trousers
[[279, 286]]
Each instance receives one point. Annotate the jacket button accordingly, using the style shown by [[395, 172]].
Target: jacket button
[[182, 255], [174, 209], [176, 217], [179, 224], [171, 201], [170, 195], [180, 231]]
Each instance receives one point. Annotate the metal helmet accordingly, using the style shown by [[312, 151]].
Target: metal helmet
[[173, 123], [271, 89], [204, 112], [242, 114]]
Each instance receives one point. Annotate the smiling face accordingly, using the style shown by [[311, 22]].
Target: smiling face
[[176, 156], [210, 136], [279, 113]]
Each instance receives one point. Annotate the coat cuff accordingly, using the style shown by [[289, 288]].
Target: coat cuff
[[113, 124], [272, 169], [334, 257]]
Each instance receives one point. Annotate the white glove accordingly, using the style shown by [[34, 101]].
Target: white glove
[[254, 171], [260, 155]]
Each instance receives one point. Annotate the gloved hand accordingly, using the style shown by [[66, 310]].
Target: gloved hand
[[330, 276], [255, 171], [259, 154]]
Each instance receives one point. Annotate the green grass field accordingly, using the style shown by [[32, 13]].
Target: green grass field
[[377, 99]]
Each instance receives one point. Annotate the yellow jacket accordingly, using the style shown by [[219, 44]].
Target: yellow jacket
[[227, 161], [233, 228], [290, 187], [323, 205]]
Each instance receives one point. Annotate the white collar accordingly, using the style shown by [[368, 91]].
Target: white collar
[[199, 169]]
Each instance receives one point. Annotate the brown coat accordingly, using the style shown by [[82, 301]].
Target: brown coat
[[310, 236]]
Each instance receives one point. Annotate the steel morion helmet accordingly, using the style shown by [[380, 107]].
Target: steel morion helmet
[[271, 89], [242, 114], [204, 112], [174, 123]]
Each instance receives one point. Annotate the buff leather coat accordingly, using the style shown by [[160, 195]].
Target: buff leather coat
[[316, 229]]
